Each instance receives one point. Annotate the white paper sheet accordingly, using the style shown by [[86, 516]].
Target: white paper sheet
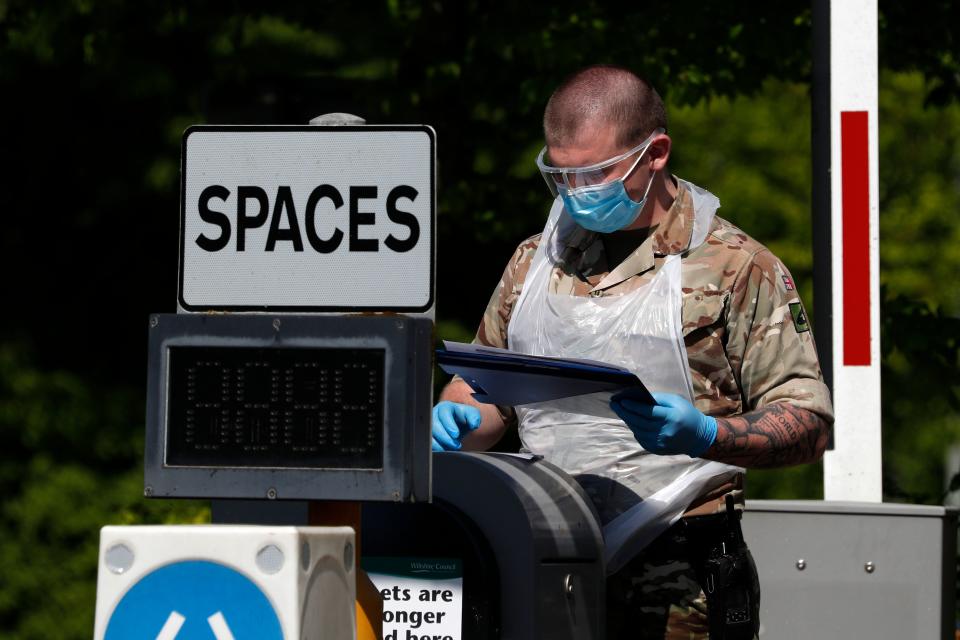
[[635, 528]]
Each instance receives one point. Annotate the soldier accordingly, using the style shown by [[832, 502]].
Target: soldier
[[634, 268]]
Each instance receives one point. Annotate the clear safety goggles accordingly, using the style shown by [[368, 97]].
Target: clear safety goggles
[[570, 178]]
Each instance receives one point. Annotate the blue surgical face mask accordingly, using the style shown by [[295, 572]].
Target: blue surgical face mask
[[606, 207]]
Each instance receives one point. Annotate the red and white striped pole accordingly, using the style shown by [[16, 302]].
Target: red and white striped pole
[[852, 469]]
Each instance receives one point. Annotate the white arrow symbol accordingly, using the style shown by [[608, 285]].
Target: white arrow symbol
[[221, 630], [171, 627]]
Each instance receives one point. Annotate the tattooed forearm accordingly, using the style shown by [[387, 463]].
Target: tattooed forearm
[[777, 435]]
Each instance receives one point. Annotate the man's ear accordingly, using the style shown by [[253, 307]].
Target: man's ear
[[659, 152]]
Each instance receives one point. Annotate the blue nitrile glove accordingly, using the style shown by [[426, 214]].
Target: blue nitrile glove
[[670, 427], [452, 421]]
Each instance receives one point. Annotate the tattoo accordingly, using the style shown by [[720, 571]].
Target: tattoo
[[777, 435]]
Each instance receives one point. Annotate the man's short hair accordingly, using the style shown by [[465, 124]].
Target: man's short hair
[[603, 94]]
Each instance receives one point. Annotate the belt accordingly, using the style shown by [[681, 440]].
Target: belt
[[689, 538], [714, 501]]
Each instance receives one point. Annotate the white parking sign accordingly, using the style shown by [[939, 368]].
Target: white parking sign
[[308, 218]]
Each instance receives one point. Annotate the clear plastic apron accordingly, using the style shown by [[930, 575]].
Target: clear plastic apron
[[637, 494]]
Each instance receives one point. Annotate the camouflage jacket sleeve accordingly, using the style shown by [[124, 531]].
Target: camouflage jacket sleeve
[[770, 344], [492, 331]]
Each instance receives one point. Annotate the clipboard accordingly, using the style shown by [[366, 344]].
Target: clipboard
[[504, 377]]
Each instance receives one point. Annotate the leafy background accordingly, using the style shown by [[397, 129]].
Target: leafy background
[[94, 96]]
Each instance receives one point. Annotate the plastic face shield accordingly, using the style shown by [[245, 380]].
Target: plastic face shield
[[570, 178]]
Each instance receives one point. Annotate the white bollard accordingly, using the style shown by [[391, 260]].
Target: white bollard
[[226, 582]]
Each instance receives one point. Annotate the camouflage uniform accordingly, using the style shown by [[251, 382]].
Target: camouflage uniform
[[748, 344]]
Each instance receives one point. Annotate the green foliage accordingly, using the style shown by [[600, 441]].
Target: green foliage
[[921, 397], [71, 463], [803, 482], [754, 154], [919, 193], [919, 260], [923, 37]]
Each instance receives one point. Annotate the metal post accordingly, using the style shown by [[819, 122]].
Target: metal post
[[327, 513], [853, 470]]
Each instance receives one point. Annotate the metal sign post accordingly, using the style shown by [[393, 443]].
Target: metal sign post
[[853, 470]]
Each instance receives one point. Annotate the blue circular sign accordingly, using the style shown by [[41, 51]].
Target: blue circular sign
[[194, 600]]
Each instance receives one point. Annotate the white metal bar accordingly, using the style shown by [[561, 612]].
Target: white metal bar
[[171, 627], [853, 471], [221, 630]]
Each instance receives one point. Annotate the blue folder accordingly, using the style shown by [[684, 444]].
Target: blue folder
[[503, 377]]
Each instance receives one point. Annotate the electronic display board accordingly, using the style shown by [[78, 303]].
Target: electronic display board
[[261, 407]]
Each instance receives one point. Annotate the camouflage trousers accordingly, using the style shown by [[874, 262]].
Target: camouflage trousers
[[658, 594]]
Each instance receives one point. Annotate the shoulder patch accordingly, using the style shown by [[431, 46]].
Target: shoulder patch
[[799, 317], [788, 283]]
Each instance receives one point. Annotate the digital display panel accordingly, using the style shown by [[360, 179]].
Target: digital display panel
[[275, 407]]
